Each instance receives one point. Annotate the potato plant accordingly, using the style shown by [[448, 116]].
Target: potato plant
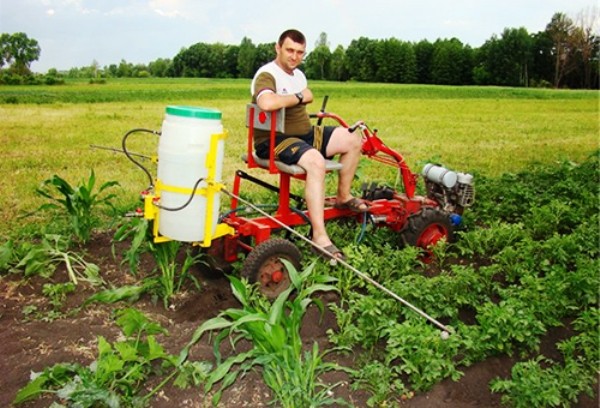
[[527, 262]]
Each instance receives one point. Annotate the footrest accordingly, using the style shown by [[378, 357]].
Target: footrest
[[293, 169]]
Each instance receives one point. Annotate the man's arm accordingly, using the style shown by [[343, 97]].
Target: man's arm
[[270, 101]]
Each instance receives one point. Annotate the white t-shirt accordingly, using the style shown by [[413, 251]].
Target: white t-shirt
[[286, 84]]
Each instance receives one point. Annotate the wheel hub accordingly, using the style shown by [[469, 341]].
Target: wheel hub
[[271, 273], [431, 235]]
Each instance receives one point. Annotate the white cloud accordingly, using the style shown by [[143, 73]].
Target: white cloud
[[169, 14]]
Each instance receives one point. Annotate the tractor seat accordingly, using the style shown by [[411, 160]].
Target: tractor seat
[[293, 169], [273, 122]]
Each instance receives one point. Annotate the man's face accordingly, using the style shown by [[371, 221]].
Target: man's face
[[289, 54]]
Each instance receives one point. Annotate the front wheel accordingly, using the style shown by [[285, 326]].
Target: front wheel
[[426, 228], [263, 265]]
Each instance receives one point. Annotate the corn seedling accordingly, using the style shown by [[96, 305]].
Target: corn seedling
[[138, 231], [172, 273], [79, 203], [274, 330]]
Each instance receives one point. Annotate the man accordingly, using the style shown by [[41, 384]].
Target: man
[[280, 84]]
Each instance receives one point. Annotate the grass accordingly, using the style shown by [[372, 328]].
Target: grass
[[490, 131]]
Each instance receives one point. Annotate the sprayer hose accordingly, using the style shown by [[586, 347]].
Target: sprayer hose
[[130, 157]]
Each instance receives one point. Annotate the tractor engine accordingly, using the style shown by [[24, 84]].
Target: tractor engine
[[453, 191]]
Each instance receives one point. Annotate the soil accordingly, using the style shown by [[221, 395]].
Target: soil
[[28, 344]]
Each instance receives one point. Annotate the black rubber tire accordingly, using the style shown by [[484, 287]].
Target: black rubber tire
[[427, 226], [264, 260]]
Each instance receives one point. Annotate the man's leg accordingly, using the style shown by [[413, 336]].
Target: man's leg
[[314, 191], [348, 146]]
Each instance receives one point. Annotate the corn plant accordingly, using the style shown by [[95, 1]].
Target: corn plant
[[79, 203], [138, 231], [274, 330], [172, 273], [44, 257]]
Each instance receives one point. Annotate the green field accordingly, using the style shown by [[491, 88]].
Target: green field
[[485, 131]]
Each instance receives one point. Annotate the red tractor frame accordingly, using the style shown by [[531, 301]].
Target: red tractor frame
[[419, 220]]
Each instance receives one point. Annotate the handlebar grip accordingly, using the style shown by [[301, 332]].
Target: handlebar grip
[[323, 105]]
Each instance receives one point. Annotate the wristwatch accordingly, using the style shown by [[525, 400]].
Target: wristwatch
[[300, 97]]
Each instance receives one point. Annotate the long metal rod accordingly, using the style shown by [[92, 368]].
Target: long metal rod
[[112, 149], [362, 275]]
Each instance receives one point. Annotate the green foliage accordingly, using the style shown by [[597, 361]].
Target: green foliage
[[57, 292], [44, 257], [129, 293], [544, 382], [528, 262], [378, 379], [18, 51], [274, 331], [172, 273], [418, 351], [118, 375], [79, 204], [138, 232]]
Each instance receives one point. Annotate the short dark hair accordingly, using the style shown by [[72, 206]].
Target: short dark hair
[[292, 34]]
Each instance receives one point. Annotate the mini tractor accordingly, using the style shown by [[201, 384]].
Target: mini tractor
[[183, 200]]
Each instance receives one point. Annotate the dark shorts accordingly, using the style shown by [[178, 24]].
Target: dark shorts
[[289, 149]]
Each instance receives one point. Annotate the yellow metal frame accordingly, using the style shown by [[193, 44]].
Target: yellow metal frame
[[152, 212]]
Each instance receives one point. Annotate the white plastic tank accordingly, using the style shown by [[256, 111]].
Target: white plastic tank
[[184, 157]]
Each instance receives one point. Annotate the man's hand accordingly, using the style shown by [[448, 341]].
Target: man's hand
[[270, 101], [308, 96]]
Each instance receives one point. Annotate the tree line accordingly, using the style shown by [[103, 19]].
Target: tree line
[[565, 54]]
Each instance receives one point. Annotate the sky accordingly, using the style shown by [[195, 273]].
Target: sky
[[77, 33]]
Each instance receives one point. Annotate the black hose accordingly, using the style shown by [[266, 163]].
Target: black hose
[[191, 197], [130, 157]]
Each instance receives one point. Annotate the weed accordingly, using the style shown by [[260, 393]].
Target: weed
[[57, 292], [117, 376]]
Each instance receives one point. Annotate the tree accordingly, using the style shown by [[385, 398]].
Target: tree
[[246, 58], [542, 72], [360, 59], [159, 68], [586, 42], [319, 60], [125, 69], [94, 68], [396, 61], [560, 30], [506, 60], [19, 51], [338, 65], [423, 55], [452, 63], [264, 53]]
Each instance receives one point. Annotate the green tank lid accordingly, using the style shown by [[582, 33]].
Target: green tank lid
[[194, 112]]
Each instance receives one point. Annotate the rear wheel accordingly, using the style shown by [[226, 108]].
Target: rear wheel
[[426, 228], [263, 265]]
